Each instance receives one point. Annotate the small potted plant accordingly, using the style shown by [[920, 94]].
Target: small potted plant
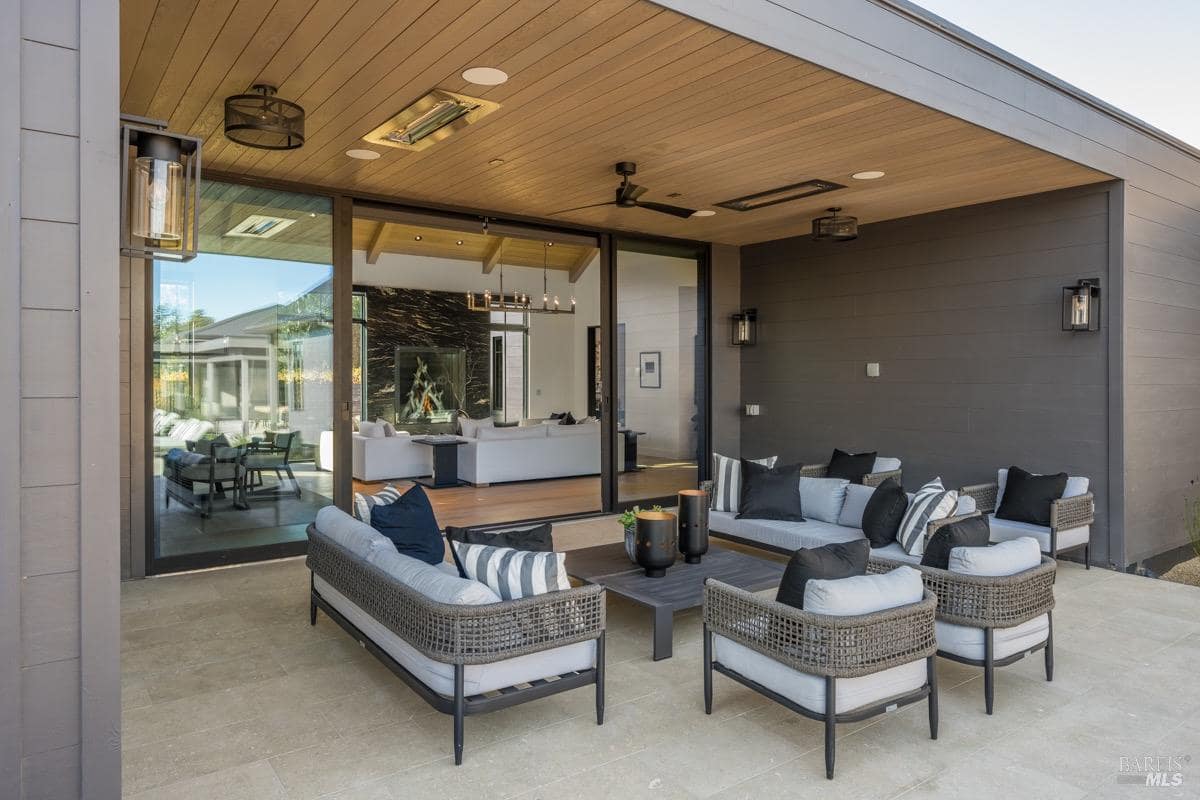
[[629, 523]]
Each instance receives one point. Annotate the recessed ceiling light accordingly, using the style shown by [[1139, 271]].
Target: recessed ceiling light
[[363, 155], [868, 175], [459, 241], [704, 212], [495, 162], [485, 76], [417, 237]]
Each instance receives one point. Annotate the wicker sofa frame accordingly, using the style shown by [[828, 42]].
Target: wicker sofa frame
[[1065, 513], [990, 603], [463, 635], [830, 646], [870, 479]]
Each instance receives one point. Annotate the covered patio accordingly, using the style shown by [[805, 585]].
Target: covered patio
[[228, 692]]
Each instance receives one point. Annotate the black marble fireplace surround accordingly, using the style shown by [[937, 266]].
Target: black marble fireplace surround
[[413, 318]]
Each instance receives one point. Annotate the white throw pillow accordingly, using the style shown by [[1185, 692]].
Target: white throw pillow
[[857, 497], [388, 430], [363, 503], [511, 573], [470, 427], [864, 594], [822, 498], [931, 502], [1003, 558], [727, 481], [370, 430]]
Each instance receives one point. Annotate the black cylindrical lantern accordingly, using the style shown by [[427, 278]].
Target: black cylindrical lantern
[[655, 542], [744, 328], [1081, 306], [693, 524]]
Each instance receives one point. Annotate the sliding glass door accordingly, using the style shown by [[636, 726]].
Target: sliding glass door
[[241, 373], [661, 357]]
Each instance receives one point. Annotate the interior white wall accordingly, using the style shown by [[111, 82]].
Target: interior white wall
[[557, 343]]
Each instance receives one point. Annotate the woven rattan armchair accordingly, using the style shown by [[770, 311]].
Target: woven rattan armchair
[[989, 603], [830, 647], [870, 479], [463, 635], [1066, 513]]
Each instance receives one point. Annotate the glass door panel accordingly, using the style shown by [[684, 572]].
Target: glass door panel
[[242, 373], [660, 371]]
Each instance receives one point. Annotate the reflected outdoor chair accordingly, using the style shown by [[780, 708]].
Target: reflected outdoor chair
[[272, 453]]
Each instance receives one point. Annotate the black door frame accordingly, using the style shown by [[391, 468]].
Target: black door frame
[[344, 207]]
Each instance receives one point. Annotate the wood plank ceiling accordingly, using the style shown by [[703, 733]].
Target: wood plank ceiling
[[708, 116]]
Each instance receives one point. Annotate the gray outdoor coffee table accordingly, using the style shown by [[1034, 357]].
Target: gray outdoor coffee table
[[680, 589]]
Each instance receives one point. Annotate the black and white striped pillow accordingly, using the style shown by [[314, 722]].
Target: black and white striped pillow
[[513, 573], [931, 502], [363, 503], [727, 480]]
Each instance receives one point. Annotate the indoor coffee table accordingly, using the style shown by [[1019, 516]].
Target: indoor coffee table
[[680, 589]]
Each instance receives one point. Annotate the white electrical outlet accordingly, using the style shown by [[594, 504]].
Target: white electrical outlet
[[752, 410]]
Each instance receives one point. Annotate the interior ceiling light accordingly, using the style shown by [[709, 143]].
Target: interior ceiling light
[[868, 175], [485, 76], [263, 120], [784, 194], [834, 227], [431, 119], [259, 226], [363, 155]]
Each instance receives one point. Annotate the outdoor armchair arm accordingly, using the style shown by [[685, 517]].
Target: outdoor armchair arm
[[1072, 512], [984, 494], [820, 644], [460, 634]]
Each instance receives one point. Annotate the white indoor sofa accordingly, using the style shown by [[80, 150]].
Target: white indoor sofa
[[378, 458], [533, 452]]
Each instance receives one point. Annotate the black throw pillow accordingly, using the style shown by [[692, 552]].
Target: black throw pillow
[[537, 539], [770, 492], [969, 532], [883, 513], [566, 419], [557, 414], [841, 560], [850, 467], [410, 524], [1027, 497]]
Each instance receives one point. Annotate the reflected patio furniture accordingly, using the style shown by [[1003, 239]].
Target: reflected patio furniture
[[213, 464], [271, 453]]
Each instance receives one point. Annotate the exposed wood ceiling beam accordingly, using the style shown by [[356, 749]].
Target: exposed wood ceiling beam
[[376, 245], [581, 264], [493, 255]]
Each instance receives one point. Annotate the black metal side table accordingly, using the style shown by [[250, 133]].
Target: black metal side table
[[445, 462], [631, 464]]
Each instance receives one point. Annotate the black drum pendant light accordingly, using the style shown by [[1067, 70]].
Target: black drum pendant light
[[263, 120]]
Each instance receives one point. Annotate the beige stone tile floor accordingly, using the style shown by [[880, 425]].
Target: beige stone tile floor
[[229, 693]]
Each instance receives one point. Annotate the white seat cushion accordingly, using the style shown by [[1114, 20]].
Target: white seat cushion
[[1004, 530], [864, 594], [894, 552], [477, 678], [967, 642], [808, 691], [788, 536]]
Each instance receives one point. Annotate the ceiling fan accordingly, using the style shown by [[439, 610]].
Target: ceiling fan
[[627, 195]]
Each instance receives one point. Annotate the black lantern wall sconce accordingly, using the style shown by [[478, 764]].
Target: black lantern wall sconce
[[160, 179], [1081, 306], [744, 329]]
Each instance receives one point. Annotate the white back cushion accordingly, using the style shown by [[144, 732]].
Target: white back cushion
[[1076, 485], [864, 594], [436, 584], [822, 498], [370, 430], [470, 427], [357, 537], [492, 433], [885, 464], [854, 505], [1004, 558]]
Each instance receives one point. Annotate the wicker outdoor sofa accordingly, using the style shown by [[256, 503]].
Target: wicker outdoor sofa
[[1011, 604], [875, 655], [461, 659]]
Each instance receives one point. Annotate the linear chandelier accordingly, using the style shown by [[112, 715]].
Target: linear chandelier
[[518, 302]]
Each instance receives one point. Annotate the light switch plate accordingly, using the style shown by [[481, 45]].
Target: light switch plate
[[873, 369]]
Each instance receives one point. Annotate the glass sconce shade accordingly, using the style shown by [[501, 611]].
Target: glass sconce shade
[[744, 328], [160, 177], [156, 199], [1081, 306]]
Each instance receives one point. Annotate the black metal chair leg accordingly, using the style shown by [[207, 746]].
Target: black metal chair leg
[[931, 669], [460, 707], [830, 724], [292, 476], [600, 679], [1087, 556], [1050, 646], [312, 600], [989, 669], [707, 671]]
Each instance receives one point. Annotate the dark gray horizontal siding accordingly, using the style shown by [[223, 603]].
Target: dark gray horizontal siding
[[962, 309], [1162, 369]]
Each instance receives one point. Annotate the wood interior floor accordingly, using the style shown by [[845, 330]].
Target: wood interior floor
[[506, 502]]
